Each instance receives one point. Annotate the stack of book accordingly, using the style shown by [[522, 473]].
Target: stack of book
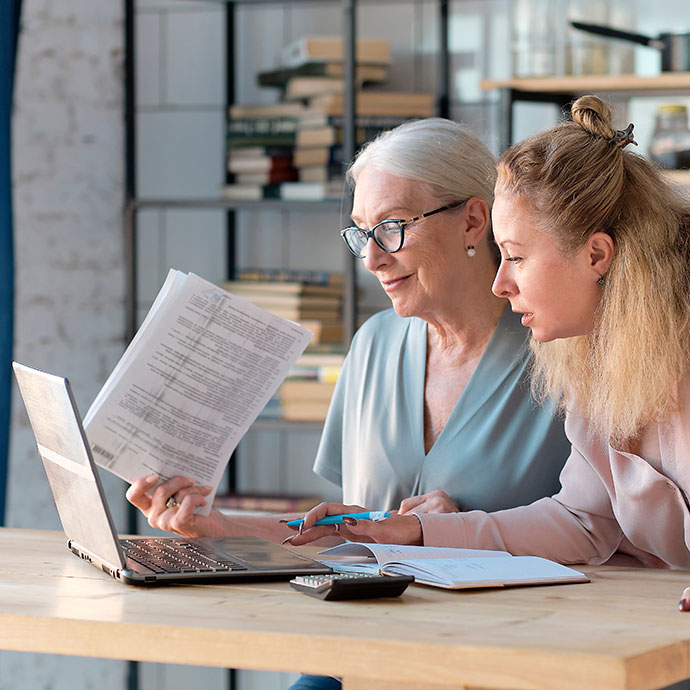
[[309, 117], [313, 299], [316, 307], [305, 395], [260, 144]]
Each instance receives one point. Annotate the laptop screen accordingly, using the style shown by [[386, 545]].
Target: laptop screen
[[76, 488]]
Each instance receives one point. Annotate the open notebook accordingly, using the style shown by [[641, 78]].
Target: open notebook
[[451, 568]]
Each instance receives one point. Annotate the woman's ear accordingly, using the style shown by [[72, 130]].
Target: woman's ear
[[478, 217], [601, 248]]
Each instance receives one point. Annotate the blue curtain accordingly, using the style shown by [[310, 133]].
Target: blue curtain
[[9, 30]]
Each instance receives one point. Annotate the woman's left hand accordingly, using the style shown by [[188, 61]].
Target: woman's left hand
[[396, 529], [434, 502]]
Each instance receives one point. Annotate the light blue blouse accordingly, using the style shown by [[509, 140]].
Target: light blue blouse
[[498, 449]]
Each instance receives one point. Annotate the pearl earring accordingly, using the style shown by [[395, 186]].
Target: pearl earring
[[471, 251]]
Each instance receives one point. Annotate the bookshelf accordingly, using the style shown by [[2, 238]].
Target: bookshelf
[[134, 203]]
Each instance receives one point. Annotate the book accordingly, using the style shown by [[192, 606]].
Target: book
[[407, 104], [332, 135], [259, 152], [278, 301], [317, 155], [317, 366], [365, 73], [281, 287], [240, 140], [279, 275], [251, 192], [268, 502], [330, 49], [266, 110], [298, 390], [244, 164], [304, 411], [261, 131], [450, 568], [320, 173], [324, 332], [271, 177], [304, 313], [306, 87], [318, 359], [312, 191], [191, 382]]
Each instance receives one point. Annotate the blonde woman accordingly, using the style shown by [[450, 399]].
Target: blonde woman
[[595, 256]]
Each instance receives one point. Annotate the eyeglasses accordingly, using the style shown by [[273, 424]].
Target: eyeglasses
[[389, 234]]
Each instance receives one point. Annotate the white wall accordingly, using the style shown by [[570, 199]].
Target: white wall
[[67, 172]]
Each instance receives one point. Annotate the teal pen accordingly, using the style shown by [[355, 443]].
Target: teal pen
[[374, 516]]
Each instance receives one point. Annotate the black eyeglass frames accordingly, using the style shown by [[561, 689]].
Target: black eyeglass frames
[[389, 234]]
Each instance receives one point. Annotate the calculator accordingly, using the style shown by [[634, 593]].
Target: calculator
[[343, 586]]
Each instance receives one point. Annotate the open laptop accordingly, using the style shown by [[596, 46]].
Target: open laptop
[[89, 527]]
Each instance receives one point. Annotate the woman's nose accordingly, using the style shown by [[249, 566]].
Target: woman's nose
[[502, 286], [374, 257]]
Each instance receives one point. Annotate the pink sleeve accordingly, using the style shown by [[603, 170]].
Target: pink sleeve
[[576, 525]]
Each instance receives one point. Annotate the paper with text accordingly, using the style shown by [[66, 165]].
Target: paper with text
[[382, 553], [196, 375]]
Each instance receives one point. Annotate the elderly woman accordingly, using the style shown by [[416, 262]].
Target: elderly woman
[[432, 411]]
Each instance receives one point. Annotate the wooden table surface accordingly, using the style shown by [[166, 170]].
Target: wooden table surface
[[620, 631]]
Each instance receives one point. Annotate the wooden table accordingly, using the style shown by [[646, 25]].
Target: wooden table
[[621, 631]]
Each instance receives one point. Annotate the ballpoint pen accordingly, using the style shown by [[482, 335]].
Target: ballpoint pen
[[374, 516]]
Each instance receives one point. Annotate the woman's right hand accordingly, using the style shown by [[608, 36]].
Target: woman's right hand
[[396, 529], [180, 518]]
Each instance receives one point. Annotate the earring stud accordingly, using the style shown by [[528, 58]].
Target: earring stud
[[471, 251]]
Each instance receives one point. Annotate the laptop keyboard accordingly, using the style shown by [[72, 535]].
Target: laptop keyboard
[[176, 556]]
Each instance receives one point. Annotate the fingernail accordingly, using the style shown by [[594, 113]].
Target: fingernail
[[151, 478], [684, 604], [287, 540], [349, 521]]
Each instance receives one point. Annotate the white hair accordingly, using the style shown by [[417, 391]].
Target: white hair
[[443, 154]]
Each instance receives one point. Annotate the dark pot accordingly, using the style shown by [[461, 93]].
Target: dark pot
[[674, 46]]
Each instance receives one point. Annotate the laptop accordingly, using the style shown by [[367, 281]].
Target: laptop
[[88, 524]]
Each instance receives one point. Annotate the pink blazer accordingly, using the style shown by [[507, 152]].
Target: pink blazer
[[613, 505]]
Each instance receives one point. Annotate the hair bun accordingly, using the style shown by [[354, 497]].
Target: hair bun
[[593, 115]]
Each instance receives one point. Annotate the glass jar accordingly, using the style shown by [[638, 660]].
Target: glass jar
[[533, 38], [670, 144]]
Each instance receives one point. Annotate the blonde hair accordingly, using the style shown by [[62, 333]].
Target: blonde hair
[[580, 180]]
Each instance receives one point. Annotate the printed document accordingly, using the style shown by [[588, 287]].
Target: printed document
[[201, 367]]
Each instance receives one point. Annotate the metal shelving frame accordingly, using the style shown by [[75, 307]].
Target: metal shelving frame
[[132, 204]]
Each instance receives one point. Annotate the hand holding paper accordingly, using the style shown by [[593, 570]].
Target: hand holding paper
[[196, 375]]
